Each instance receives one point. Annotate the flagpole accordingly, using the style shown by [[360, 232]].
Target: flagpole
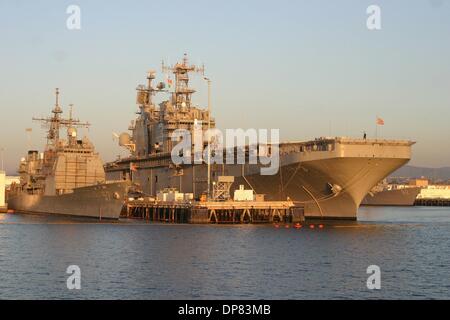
[[379, 122], [376, 128], [209, 137]]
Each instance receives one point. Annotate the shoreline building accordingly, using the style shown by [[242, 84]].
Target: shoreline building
[[3, 206]]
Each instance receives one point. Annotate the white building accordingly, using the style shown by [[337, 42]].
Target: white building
[[435, 192], [10, 180], [2, 191]]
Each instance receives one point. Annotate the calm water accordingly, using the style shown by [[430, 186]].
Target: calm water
[[134, 260]]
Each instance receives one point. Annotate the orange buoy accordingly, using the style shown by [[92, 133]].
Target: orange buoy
[[311, 226], [276, 225], [298, 226], [320, 226], [286, 226]]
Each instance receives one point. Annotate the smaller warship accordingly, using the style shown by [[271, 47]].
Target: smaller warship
[[385, 194], [68, 178]]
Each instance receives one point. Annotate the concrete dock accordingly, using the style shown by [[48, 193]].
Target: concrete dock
[[217, 212]]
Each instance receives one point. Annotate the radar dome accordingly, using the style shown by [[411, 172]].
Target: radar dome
[[124, 139], [72, 132]]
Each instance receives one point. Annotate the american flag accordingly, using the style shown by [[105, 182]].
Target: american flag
[[133, 167], [380, 121]]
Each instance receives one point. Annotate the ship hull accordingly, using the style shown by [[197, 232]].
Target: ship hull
[[306, 182], [309, 184], [397, 197], [103, 201], [328, 177]]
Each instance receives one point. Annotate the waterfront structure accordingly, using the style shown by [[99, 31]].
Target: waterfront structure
[[3, 206], [422, 182], [9, 180], [435, 192], [219, 212], [434, 195]]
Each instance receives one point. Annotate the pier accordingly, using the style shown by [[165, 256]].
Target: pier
[[3, 206], [217, 212], [432, 202]]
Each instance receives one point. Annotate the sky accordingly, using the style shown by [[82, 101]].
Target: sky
[[309, 68]]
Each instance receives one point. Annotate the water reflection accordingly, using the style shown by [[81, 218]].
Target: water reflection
[[136, 260]]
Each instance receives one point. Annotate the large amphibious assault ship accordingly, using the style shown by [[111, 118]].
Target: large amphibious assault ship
[[68, 178], [328, 176]]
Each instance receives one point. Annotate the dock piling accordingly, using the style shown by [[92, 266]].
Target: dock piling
[[224, 212]]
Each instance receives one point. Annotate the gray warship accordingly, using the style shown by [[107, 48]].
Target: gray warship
[[328, 176], [385, 194], [68, 178]]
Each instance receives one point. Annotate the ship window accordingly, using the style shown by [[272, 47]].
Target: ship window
[[156, 179]]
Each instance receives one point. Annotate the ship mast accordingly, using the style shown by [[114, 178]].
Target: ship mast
[[145, 93], [55, 122], [181, 98]]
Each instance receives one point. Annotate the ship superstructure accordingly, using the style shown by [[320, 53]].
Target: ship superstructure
[[152, 130], [68, 177], [66, 164], [328, 176]]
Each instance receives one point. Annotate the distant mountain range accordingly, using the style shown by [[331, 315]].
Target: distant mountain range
[[417, 172]]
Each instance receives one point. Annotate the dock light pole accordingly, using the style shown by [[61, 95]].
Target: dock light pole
[[209, 138]]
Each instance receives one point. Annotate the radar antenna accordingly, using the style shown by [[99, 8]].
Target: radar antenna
[[181, 98], [145, 93], [55, 122]]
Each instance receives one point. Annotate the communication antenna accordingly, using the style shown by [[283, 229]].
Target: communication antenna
[[55, 122], [181, 98], [28, 133], [146, 92]]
